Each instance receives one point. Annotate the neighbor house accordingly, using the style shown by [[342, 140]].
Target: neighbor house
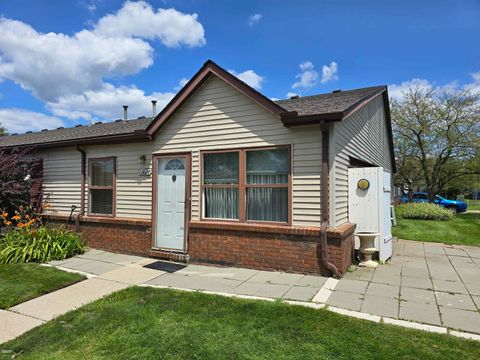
[[221, 175]]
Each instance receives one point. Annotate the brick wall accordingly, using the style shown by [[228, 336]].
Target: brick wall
[[341, 245], [269, 248], [121, 236], [264, 247]]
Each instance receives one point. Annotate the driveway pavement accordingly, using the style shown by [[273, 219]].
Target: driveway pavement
[[428, 286]]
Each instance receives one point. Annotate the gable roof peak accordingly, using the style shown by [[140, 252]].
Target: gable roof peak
[[210, 68]]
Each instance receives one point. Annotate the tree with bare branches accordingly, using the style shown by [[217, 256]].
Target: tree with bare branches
[[437, 137]]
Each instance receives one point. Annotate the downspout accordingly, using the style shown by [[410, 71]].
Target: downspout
[[324, 203], [83, 170]]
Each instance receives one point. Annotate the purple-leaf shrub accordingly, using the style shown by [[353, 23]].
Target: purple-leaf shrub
[[15, 182]]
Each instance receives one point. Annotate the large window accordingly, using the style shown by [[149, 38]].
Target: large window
[[102, 186], [221, 185], [247, 185]]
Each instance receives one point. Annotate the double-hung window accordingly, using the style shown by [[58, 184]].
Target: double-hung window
[[102, 178], [248, 185]]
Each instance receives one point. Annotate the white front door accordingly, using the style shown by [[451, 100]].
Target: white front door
[[170, 207]]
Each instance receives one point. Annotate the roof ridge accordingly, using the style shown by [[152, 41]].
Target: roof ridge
[[332, 93]]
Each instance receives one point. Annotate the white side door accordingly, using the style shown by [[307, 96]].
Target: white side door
[[170, 206], [363, 205]]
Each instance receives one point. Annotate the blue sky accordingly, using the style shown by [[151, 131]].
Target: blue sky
[[68, 62]]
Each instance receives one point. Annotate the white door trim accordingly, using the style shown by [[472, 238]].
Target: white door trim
[[155, 162]]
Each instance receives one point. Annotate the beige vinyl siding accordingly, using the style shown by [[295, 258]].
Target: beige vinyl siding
[[217, 116], [134, 192], [61, 180], [362, 135]]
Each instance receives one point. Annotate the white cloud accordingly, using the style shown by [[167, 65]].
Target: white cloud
[[254, 19], [329, 72], [396, 91], [55, 65], [181, 84], [106, 103], [308, 76], [291, 94], [91, 6], [475, 85], [250, 77], [139, 19], [20, 121]]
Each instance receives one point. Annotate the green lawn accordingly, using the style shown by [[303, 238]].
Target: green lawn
[[463, 230], [473, 204], [147, 323], [22, 282]]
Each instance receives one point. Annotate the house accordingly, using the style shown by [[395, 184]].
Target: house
[[221, 175]]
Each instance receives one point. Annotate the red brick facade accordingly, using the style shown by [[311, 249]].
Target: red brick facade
[[263, 247], [269, 247], [123, 236]]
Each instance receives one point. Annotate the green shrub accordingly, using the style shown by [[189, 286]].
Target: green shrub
[[424, 211], [41, 244]]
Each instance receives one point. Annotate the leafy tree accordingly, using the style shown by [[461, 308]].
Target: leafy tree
[[437, 137]]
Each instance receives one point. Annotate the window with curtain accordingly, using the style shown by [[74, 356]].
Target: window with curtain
[[267, 185], [221, 185], [247, 185], [102, 186]]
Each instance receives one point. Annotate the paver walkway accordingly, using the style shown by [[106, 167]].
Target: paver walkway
[[433, 284], [430, 283]]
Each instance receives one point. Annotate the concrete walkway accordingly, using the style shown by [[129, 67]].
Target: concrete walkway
[[431, 283], [427, 286]]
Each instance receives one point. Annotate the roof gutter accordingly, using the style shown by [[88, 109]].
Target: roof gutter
[[324, 204]]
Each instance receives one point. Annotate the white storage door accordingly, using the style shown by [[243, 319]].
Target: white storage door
[[363, 205], [370, 209]]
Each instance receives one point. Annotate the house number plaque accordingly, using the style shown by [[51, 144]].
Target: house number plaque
[[145, 172]]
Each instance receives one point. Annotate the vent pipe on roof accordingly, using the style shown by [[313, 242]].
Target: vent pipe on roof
[[336, 91], [154, 107], [294, 96], [125, 113]]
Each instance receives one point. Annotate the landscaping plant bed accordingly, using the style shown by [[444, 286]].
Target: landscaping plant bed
[[22, 282], [148, 323]]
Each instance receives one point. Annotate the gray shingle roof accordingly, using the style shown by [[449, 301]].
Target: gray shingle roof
[[330, 102], [75, 133], [309, 105]]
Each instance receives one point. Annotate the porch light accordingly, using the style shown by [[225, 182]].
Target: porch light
[[142, 159]]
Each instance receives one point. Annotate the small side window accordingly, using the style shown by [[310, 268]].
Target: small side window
[[102, 186]]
